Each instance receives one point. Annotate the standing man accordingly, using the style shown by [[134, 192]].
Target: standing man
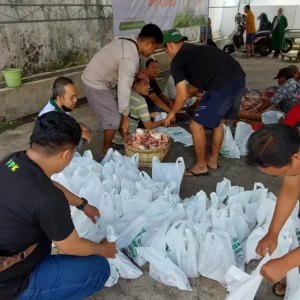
[[279, 25], [156, 100], [275, 150], [109, 76], [250, 30], [211, 70], [206, 34], [35, 212]]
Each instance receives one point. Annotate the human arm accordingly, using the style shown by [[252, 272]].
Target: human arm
[[193, 91], [127, 72], [151, 125], [164, 98], [89, 210], [159, 102], [182, 96], [85, 133], [286, 202], [285, 22], [276, 269], [76, 246]]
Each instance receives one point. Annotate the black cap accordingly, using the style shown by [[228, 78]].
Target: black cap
[[285, 72]]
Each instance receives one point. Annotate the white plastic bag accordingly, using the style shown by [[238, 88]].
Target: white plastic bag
[[163, 269], [160, 116], [240, 285], [271, 117], [130, 232], [241, 137], [215, 256], [187, 251], [166, 172], [239, 223], [121, 264], [229, 148]]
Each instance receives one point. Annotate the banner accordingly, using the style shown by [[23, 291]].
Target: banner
[[131, 15]]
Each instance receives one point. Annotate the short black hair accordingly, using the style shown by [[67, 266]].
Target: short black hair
[[273, 145], [149, 61], [58, 88], [247, 6], [54, 132], [152, 31]]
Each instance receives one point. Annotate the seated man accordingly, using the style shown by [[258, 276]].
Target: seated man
[[138, 110], [35, 212], [293, 116], [170, 93], [156, 100], [295, 71], [285, 94], [64, 100]]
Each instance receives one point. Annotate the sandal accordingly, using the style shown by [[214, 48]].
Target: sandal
[[204, 175], [275, 287]]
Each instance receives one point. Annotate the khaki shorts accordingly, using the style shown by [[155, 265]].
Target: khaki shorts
[[104, 103]]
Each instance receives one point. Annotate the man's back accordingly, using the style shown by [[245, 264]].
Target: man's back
[[205, 67], [28, 202], [103, 70], [250, 23]]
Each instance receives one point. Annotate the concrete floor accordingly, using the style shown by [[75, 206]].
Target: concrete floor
[[260, 72]]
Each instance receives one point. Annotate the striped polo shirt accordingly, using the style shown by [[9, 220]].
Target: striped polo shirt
[[138, 112]]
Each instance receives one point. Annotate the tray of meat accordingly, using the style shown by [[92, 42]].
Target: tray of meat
[[147, 143]]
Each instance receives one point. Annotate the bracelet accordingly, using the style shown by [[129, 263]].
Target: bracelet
[[83, 204]]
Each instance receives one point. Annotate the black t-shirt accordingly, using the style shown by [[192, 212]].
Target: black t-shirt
[[154, 88], [205, 67], [32, 210]]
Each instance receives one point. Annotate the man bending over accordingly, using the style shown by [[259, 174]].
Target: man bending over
[[35, 212]]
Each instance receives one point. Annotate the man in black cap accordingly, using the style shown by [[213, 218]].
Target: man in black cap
[[285, 95], [213, 71]]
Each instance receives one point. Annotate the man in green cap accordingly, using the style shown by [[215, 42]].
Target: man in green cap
[[210, 70]]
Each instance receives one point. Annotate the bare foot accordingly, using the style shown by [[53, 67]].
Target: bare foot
[[196, 169], [212, 163]]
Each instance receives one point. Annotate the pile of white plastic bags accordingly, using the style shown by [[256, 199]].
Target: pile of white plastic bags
[[199, 236]]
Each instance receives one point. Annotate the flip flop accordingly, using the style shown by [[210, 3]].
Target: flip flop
[[203, 175], [274, 289]]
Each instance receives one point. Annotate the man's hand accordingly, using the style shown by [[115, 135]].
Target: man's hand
[[108, 250], [124, 125], [168, 119], [87, 135], [268, 244], [274, 270], [91, 212], [173, 120]]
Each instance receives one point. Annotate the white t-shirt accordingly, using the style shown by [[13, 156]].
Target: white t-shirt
[[170, 92]]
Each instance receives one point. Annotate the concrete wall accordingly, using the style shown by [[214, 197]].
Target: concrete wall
[[30, 98], [44, 47]]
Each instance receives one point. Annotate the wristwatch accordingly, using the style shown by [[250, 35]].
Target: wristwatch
[[83, 204]]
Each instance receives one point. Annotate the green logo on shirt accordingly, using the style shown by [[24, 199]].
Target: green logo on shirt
[[12, 165]]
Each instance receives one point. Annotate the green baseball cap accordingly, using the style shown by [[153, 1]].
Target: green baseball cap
[[173, 36]]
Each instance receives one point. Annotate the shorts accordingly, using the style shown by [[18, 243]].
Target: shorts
[[104, 103], [250, 38], [223, 103]]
